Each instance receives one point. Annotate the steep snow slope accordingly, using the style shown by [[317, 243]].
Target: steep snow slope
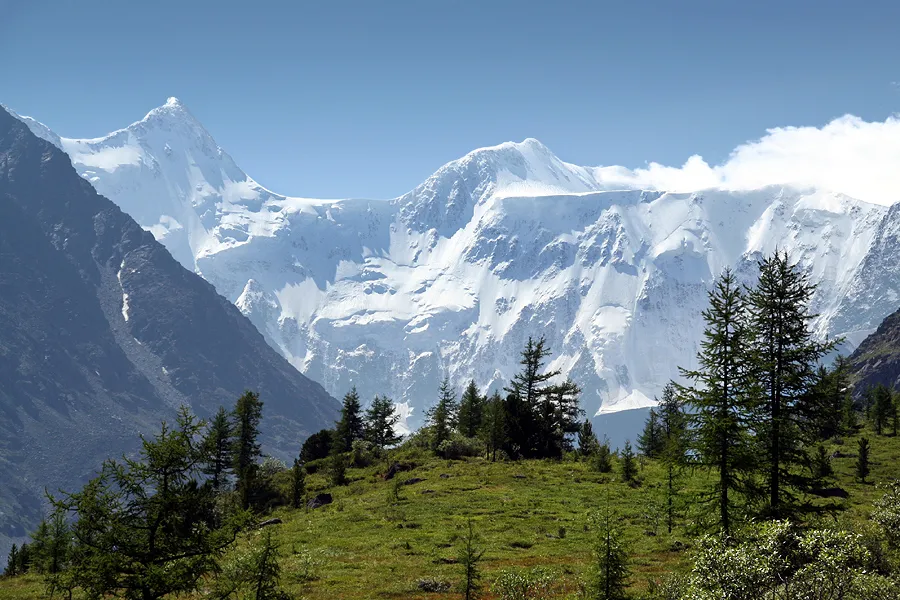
[[451, 278]]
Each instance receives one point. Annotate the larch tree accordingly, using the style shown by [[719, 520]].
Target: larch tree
[[471, 411], [351, 426], [441, 417], [381, 419], [493, 426], [246, 417], [650, 440], [148, 527], [784, 358], [721, 395], [218, 447], [673, 427], [530, 407]]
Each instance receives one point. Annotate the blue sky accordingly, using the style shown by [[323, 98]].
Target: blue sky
[[338, 99]]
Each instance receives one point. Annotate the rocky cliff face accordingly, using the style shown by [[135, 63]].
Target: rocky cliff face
[[103, 333], [877, 359]]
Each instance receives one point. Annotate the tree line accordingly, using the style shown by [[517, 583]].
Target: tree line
[[157, 524], [760, 403]]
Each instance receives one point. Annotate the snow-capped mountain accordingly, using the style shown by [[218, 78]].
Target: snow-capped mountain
[[504, 243]]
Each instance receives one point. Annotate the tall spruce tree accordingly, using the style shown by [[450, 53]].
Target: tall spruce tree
[[785, 358], [650, 441], [827, 398], [559, 419], [246, 417], [611, 570], [493, 426], [882, 402], [218, 448], [50, 544], [862, 459], [441, 417], [673, 450], [381, 417], [629, 468], [539, 414], [471, 411], [587, 439], [720, 398], [12, 562], [351, 427]]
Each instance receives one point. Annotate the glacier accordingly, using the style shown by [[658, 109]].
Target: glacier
[[504, 243]]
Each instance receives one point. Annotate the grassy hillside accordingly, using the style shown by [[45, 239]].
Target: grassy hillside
[[368, 545]]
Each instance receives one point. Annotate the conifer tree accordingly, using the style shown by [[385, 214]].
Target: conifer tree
[[471, 411], [558, 420], [587, 439], [351, 427], [524, 393], [611, 561], [862, 459], [650, 441], [59, 544], [148, 528], [602, 459], [317, 446], [219, 449], [673, 427], [784, 357], [40, 545], [821, 467], [469, 557], [247, 415], [265, 572], [23, 564], [441, 417], [50, 544], [882, 404], [721, 394], [381, 417], [826, 402], [493, 427], [12, 562], [337, 469], [298, 484], [629, 468]]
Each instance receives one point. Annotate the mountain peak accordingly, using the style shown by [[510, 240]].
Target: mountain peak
[[173, 109]]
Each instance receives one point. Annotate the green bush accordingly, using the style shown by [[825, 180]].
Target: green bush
[[458, 446]]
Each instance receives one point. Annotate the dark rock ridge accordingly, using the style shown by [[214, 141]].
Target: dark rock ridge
[[877, 359], [103, 334]]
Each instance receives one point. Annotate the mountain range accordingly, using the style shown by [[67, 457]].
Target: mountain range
[[507, 242], [103, 334]]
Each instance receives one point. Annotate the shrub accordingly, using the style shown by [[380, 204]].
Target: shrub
[[780, 560], [458, 446], [887, 513], [337, 470], [430, 584], [601, 459], [534, 584], [362, 453]]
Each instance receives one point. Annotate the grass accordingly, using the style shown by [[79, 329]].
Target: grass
[[368, 545]]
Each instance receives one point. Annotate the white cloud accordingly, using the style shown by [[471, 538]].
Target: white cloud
[[848, 155]]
